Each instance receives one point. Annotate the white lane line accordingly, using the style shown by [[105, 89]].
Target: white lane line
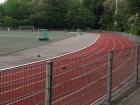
[[106, 45], [81, 76], [123, 41], [79, 60], [114, 43], [82, 89], [79, 90], [83, 54]]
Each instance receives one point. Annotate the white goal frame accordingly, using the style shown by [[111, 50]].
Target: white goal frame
[[26, 28]]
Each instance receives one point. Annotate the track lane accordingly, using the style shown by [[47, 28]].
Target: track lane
[[125, 43], [85, 75], [109, 48], [113, 46]]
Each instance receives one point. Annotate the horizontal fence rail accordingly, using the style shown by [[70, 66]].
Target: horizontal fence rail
[[70, 80]]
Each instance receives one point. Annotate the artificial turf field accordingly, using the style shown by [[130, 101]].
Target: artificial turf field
[[11, 42]]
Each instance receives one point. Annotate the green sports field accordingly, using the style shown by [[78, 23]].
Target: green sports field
[[11, 42]]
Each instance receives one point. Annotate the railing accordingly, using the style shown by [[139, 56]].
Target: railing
[[71, 80]]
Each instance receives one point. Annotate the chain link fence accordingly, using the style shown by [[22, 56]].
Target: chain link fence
[[73, 79]]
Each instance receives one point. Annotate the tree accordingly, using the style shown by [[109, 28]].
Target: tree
[[109, 16], [72, 14], [135, 5], [135, 16], [96, 7], [16, 11], [80, 18], [38, 13], [1, 14], [56, 11]]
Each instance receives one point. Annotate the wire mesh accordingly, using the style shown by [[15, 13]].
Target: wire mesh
[[123, 69], [23, 85], [76, 79], [139, 61]]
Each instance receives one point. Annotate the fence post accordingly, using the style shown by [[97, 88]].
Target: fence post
[[137, 64], [48, 94], [110, 67]]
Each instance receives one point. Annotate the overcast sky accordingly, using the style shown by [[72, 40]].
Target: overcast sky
[[2, 1]]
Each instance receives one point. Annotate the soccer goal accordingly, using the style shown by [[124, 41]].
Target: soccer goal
[[26, 28], [43, 34]]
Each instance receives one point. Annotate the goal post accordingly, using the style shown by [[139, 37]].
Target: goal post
[[26, 28], [43, 34], [9, 28]]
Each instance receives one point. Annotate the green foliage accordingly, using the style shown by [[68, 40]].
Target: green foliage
[[97, 9], [38, 13], [126, 16], [14, 13], [134, 4], [8, 21], [75, 14], [80, 18], [16, 9], [56, 11]]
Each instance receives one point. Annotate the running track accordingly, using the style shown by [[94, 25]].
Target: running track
[[78, 78]]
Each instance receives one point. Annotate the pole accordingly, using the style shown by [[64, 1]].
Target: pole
[[110, 67], [48, 94], [116, 7], [137, 64], [116, 12]]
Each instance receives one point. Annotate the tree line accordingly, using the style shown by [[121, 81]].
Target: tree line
[[72, 14]]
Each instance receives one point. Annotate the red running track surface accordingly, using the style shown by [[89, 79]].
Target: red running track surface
[[79, 78]]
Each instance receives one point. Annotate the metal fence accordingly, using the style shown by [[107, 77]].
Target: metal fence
[[73, 79], [24, 85], [129, 36]]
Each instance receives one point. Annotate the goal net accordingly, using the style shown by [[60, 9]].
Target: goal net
[[26, 28], [43, 34]]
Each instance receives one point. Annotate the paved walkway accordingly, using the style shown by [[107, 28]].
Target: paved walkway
[[132, 99], [48, 51]]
